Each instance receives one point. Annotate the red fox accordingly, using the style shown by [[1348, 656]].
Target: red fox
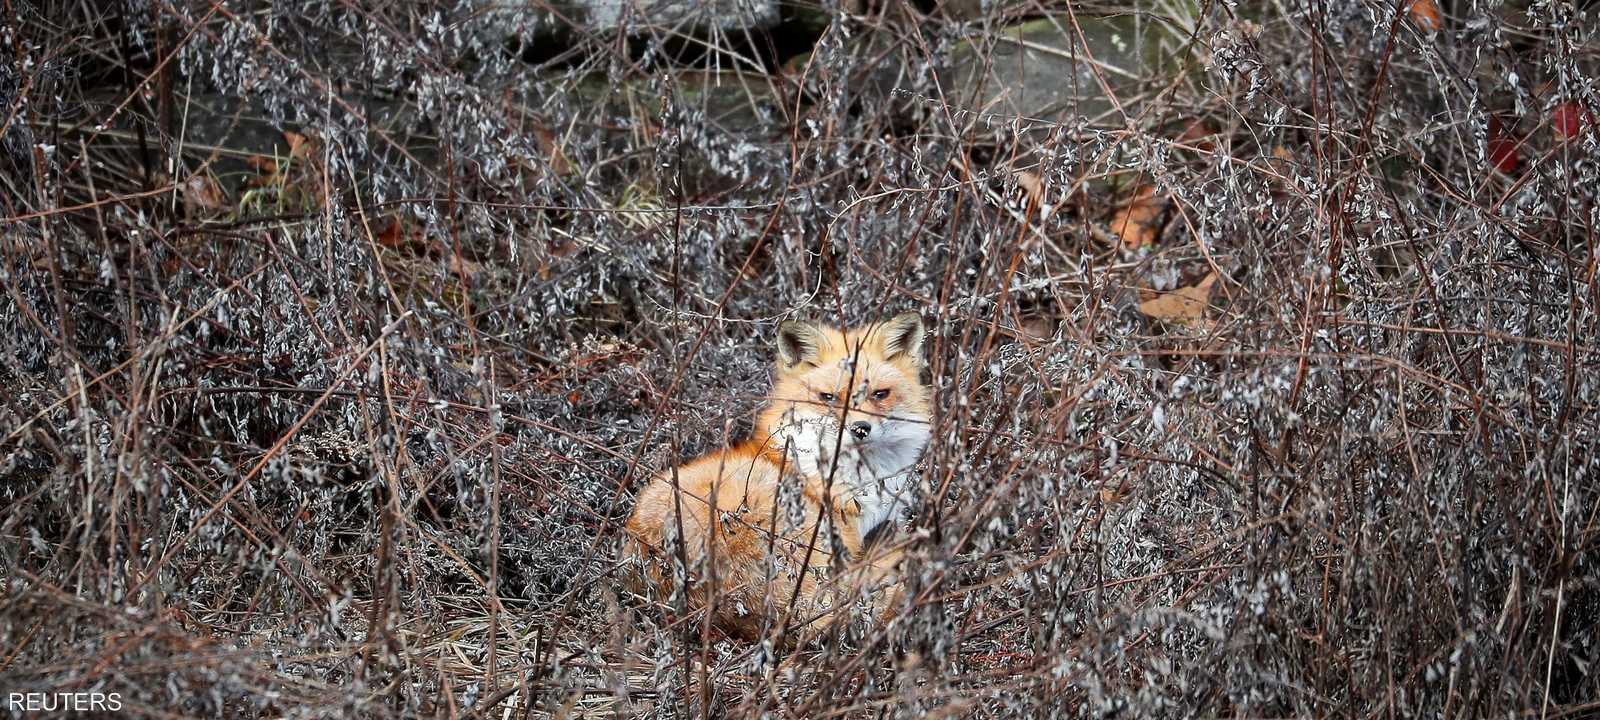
[[753, 527]]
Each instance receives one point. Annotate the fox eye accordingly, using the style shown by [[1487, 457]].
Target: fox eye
[[826, 397], [881, 395]]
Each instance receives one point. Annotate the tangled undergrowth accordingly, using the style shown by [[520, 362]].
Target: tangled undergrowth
[[338, 337]]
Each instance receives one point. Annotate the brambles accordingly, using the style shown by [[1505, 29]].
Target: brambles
[[354, 433]]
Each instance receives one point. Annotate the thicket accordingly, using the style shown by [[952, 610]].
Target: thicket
[[335, 338]]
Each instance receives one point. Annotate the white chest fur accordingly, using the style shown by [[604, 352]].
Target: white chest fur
[[876, 474], [882, 500]]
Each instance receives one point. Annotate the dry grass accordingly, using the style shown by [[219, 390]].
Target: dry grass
[[347, 424]]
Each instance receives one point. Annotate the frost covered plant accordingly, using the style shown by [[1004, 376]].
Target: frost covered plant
[[371, 449]]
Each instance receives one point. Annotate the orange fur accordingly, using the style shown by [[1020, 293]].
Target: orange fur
[[758, 521]]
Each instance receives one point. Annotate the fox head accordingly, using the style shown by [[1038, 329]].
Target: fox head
[[850, 404]]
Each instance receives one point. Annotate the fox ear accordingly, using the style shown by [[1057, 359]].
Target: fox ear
[[798, 342], [902, 336]]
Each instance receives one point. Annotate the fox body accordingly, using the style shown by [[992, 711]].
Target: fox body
[[777, 530]]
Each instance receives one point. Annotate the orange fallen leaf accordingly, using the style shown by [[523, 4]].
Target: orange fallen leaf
[[299, 145], [1138, 223], [464, 267], [262, 164], [1110, 495], [390, 236], [400, 234], [1199, 134], [559, 164], [1184, 306], [1425, 14], [1032, 186]]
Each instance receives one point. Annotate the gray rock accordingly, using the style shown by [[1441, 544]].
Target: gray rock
[[733, 129], [681, 15], [730, 123], [739, 104], [1044, 70], [230, 129], [563, 17], [967, 9]]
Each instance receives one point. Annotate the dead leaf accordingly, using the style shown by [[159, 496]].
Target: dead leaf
[[264, 166], [559, 164], [1138, 223], [390, 236], [464, 267], [1114, 495], [1184, 306], [1199, 134], [201, 195], [299, 145], [1425, 14], [1038, 327], [1033, 186], [400, 234]]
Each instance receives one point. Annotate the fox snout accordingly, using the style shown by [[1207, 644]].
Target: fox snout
[[823, 431], [859, 427]]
